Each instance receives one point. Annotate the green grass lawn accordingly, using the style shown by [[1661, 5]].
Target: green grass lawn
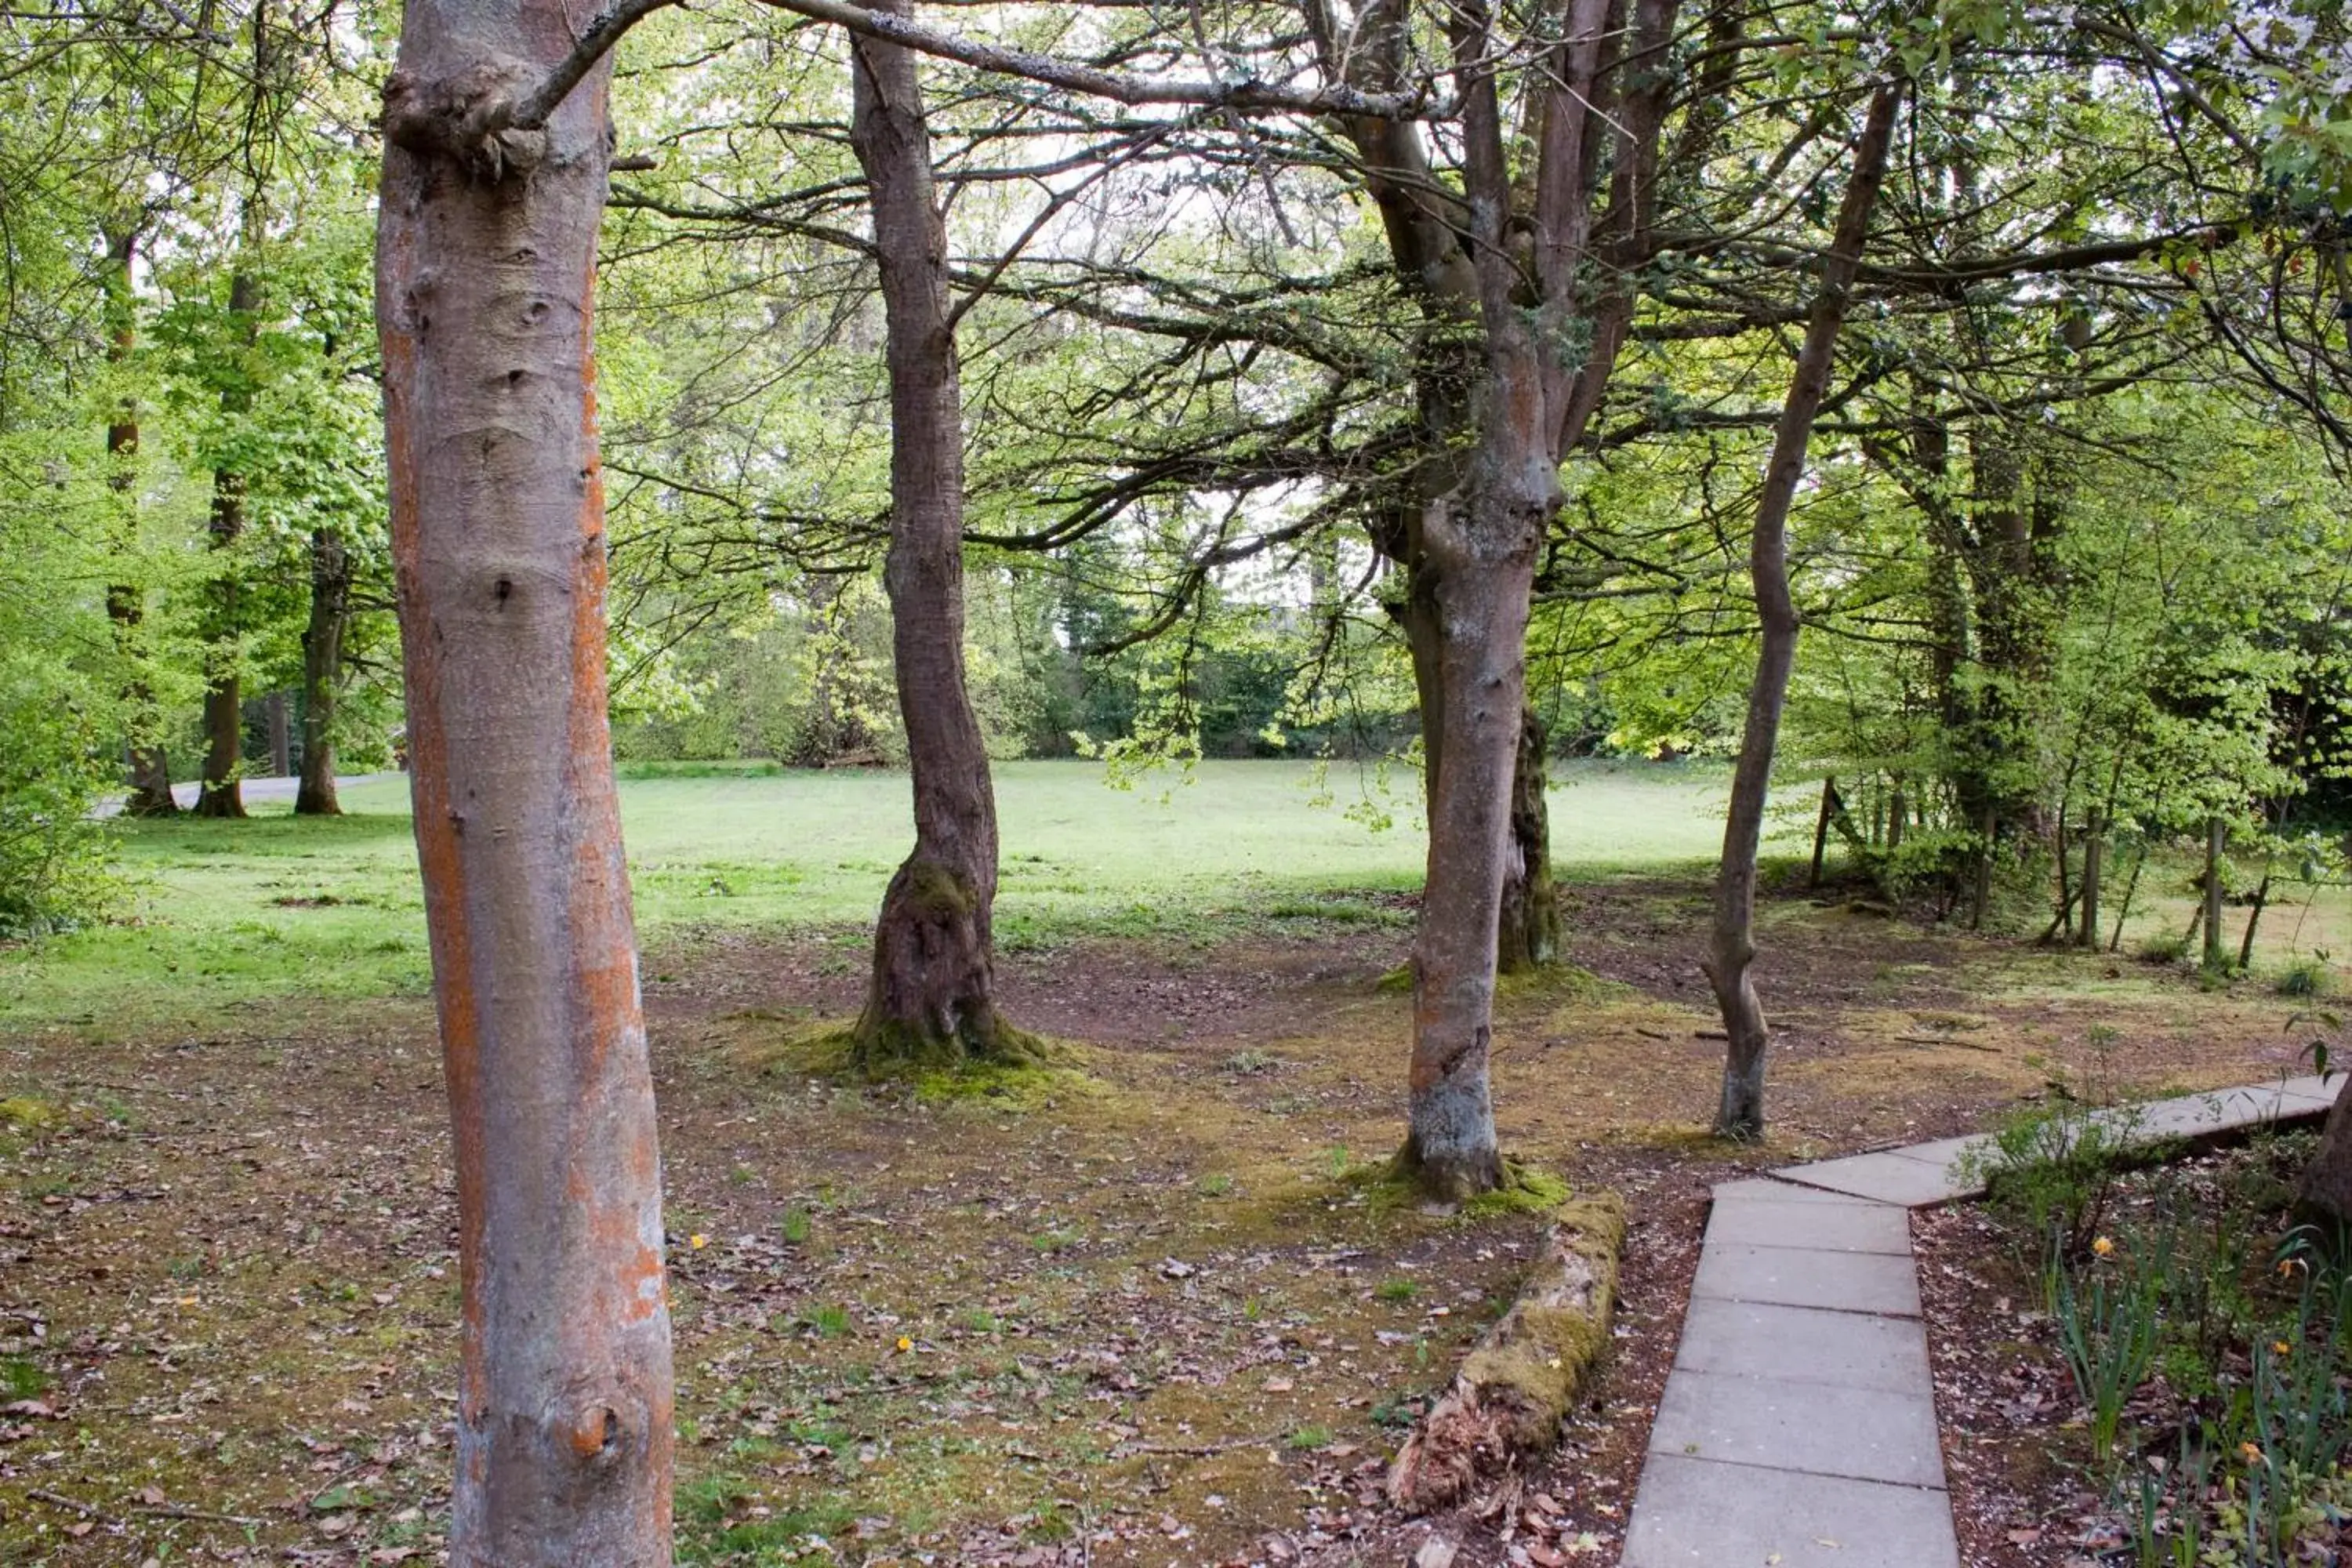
[[223, 915]]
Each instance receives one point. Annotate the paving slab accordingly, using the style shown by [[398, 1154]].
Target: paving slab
[[1950, 1151], [1764, 1190], [1699, 1514], [2313, 1087], [1804, 1344], [2221, 1112], [1808, 1276], [1864, 1433], [1889, 1177], [1823, 1227], [1798, 1426]]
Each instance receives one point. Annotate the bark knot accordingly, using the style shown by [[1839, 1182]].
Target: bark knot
[[596, 1432], [466, 118]]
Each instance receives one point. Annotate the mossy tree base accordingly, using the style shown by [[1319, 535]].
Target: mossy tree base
[[886, 1047], [1520, 1380], [932, 1003], [1459, 1177], [1512, 1188]]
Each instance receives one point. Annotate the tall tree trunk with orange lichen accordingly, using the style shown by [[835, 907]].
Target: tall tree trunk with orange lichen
[[486, 257]]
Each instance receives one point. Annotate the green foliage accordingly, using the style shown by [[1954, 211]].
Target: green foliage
[[53, 857], [2107, 1321], [2307, 976], [2052, 1167]]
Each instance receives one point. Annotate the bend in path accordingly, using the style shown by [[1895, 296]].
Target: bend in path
[[1798, 1425]]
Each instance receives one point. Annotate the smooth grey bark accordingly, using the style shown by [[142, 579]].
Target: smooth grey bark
[[1731, 952], [485, 269], [1528, 929]]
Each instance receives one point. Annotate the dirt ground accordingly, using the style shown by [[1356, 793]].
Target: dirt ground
[[1151, 1309]]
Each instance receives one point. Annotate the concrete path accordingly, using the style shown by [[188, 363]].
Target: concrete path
[[1798, 1426]]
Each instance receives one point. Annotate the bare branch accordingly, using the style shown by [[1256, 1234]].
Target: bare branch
[[1243, 94]]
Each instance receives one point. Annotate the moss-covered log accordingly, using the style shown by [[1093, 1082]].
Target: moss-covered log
[[1521, 1379]]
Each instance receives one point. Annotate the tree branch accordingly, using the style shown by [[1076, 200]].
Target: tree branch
[[1244, 94], [595, 41]]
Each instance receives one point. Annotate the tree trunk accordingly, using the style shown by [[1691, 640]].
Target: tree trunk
[[1732, 951], [1822, 829], [126, 603], [1528, 934], [222, 796], [322, 659], [2064, 919], [1481, 597], [1528, 928], [2253, 921], [2094, 861], [933, 996], [2326, 1192], [1505, 387], [1988, 827], [2123, 911], [281, 737], [485, 260], [2217, 837]]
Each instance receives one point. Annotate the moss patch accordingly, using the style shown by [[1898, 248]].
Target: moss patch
[[28, 1114], [1525, 1190], [1030, 1070]]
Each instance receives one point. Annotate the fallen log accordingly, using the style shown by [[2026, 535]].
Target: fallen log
[[1521, 1379]]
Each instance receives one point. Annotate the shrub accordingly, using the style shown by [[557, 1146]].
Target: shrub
[[2307, 976], [2053, 1167], [53, 857]]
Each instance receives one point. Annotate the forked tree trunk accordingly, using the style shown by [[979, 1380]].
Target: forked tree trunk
[[1500, 402], [486, 257], [1732, 951], [126, 603], [322, 659], [221, 794], [933, 995], [1528, 928]]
